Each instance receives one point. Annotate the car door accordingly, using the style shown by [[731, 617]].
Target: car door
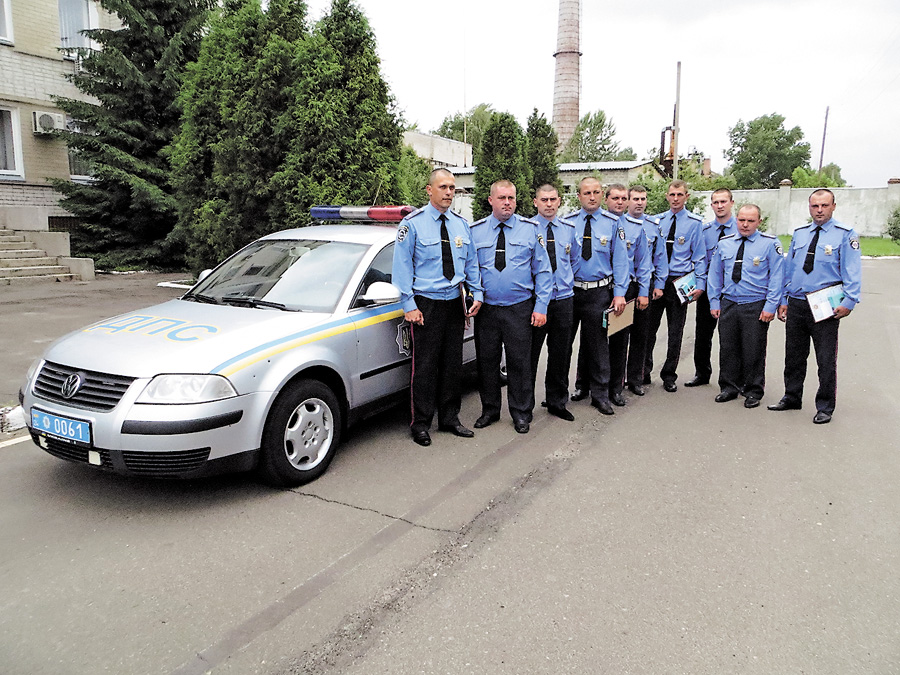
[[384, 346]]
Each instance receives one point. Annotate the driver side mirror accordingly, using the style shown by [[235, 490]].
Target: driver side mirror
[[379, 293]]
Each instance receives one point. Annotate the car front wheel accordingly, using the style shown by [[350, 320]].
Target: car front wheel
[[301, 434]]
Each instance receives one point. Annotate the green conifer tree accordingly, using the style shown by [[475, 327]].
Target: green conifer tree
[[128, 209], [502, 157]]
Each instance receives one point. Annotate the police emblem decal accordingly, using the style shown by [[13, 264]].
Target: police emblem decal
[[854, 244], [778, 249], [541, 240], [621, 233], [402, 232], [404, 338]]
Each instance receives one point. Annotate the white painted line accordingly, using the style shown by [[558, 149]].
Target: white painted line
[[13, 441]]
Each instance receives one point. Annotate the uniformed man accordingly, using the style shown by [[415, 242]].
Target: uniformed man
[[563, 250], [823, 254], [685, 253], [518, 283], [723, 225], [640, 269], [433, 255], [601, 279], [745, 283], [640, 329]]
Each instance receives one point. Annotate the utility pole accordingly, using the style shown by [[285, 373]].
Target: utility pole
[[675, 125], [824, 131]]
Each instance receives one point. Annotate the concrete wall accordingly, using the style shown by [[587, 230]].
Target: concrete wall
[[438, 150], [865, 209]]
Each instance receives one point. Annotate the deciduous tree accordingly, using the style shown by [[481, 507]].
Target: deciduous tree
[[763, 153]]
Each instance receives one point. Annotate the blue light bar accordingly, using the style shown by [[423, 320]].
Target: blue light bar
[[361, 214]]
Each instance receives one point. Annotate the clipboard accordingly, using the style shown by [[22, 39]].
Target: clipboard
[[823, 302], [684, 286], [613, 323]]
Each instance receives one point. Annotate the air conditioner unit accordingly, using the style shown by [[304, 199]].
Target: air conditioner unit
[[48, 122]]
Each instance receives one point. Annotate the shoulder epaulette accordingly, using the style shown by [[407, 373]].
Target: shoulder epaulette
[[609, 215], [529, 220], [652, 219], [458, 215], [479, 222], [414, 213], [730, 236], [573, 214], [839, 224], [708, 225], [563, 221], [694, 216], [770, 236], [632, 219]]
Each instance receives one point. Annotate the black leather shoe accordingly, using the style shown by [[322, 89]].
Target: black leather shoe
[[635, 389], [697, 382], [785, 404], [603, 406], [617, 399], [485, 421], [579, 394], [458, 430], [521, 427], [422, 438], [561, 413], [822, 418], [670, 386], [725, 396], [751, 402]]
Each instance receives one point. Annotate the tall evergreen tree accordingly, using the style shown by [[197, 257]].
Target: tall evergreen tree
[[502, 157], [412, 177], [237, 128], [128, 208], [347, 136], [541, 143]]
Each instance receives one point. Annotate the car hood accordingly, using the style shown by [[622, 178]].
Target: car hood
[[183, 337]]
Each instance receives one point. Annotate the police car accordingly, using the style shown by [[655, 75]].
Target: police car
[[262, 364]]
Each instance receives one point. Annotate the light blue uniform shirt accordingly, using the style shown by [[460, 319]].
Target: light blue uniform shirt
[[568, 250], [837, 261], [527, 272], [609, 254], [762, 271], [689, 250], [711, 236], [640, 265], [657, 251], [418, 268]]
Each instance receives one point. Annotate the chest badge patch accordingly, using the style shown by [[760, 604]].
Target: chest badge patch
[[458, 241], [829, 250], [680, 240]]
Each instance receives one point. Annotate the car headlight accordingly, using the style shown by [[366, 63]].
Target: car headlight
[[32, 369], [186, 389]]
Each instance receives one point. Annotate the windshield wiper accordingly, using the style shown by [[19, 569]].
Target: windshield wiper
[[255, 302], [199, 297]]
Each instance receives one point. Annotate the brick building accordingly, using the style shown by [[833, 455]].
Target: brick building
[[34, 38]]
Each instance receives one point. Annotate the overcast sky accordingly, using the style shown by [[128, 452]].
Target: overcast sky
[[739, 61]]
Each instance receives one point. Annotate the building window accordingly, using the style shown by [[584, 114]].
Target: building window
[[75, 16], [6, 35], [10, 143], [79, 167]]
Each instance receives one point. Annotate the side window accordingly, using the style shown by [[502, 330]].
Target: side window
[[379, 270], [10, 143]]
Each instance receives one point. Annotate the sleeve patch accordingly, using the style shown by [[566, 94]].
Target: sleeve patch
[[854, 244], [402, 232]]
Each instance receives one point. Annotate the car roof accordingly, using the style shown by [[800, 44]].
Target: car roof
[[354, 234]]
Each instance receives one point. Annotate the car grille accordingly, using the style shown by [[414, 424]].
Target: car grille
[[100, 391], [165, 463], [73, 453]]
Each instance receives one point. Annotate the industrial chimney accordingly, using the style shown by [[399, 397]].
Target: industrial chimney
[[567, 85]]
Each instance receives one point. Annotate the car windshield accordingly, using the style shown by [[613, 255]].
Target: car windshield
[[290, 275]]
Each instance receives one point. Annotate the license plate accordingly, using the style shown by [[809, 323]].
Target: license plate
[[66, 429]]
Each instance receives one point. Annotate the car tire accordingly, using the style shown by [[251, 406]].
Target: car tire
[[301, 434]]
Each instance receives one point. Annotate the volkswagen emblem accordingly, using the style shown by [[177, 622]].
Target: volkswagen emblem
[[72, 385]]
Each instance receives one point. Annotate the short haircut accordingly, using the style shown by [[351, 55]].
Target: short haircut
[[751, 206], [730, 196], [586, 179], [503, 182], [547, 187], [677, 184], [615, 186], [821, 190], [436, 172], [637, 188]]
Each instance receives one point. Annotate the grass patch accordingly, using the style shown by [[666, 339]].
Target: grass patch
[[873, 246]]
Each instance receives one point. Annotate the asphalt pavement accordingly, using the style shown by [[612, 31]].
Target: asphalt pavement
[[679, 536]]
